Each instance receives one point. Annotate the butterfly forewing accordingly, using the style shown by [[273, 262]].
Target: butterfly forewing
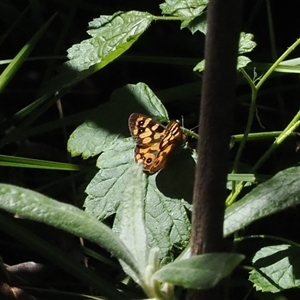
[[154, 142], [172, 136]]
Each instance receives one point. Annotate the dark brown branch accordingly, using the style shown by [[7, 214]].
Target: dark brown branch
[[216, 115]]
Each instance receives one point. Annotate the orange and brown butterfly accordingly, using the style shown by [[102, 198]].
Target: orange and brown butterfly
[[154, 142]]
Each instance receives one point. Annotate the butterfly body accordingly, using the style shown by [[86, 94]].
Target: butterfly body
[[154, 142]]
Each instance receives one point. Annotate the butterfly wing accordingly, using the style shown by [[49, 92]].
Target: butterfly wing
[[172, 139], [145, 130], [147, 134], [154, 142]]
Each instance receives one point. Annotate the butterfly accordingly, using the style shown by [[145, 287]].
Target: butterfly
[[154, 142]]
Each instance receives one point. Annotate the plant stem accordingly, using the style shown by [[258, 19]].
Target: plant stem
[[287, 131]]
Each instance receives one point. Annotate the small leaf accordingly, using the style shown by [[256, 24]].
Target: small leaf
[[194, 24], [276, 268], [243, 61], [183, 8], [200, 66], [246, 43], [248, 179], [278, 193], [192, 12], [199, 272]]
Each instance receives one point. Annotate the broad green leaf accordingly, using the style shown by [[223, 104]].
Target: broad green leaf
[[63, 260], [108, 122], [199, 272], [111, 36], [131, 221], [276, 268], [34, 206], [274, 195], [165, 204], [106, 189], [278, 193]]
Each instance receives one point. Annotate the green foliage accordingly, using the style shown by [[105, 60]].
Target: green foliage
[[183, 8], [246, 44], [98, 132], [276, 268], [151, 214], [163, 201], [34, 206], [111, 37], [133, 250], [19, 59], [270, 197], [200, 271], [191, 12]]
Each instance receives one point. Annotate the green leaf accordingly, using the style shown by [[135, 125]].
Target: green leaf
[[131, 219], [19, 59], [108, 122], [61, 259], [111, 36], [247, 177], [246, 43], [200, 66], [289, 66], [34, 206], [165, 204], [276, 194], [191, 11], [23, 162], [183, 8], [243, 61], [199, 272], [276, 268], [198, 23]]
